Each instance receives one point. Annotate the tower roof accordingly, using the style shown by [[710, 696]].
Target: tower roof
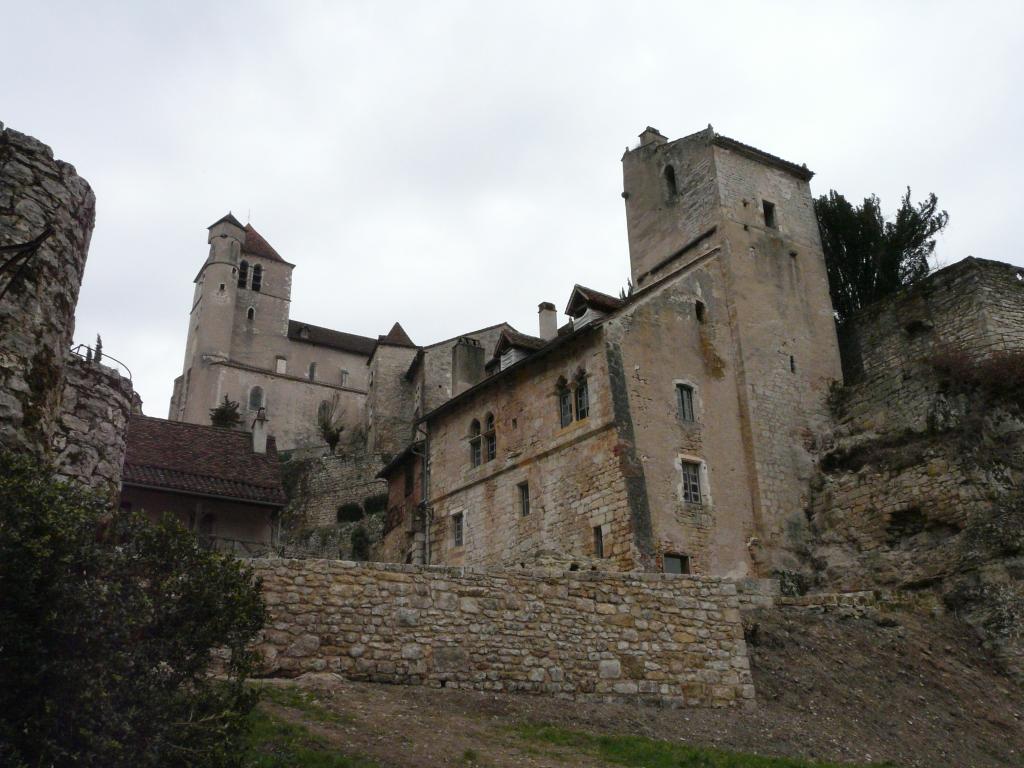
[[229, 218], [258, 246], [396, 337]]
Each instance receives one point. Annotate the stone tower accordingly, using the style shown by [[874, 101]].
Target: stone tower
[[707, 194], [240, 305]]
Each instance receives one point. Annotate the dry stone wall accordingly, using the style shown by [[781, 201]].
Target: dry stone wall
[[653, 638]]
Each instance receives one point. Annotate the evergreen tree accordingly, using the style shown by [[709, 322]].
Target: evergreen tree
[[225, 414], [868, 257]]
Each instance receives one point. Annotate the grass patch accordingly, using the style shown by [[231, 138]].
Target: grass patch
[[641, 752], [304, 701], [276, 744]]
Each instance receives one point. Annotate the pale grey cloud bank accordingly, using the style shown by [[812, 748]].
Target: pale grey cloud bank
[[450, 165]]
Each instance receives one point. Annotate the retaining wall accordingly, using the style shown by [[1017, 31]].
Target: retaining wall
[[653, 638]]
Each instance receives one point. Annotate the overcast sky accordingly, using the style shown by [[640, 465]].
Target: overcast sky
[[451, 164]]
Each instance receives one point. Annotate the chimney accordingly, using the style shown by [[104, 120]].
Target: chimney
[[259, 431], [548, 319], [467, 364]]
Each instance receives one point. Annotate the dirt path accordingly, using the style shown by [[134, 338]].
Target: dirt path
[[912, 690]]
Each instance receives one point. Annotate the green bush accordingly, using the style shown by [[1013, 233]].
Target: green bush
[[107, 625], [360, 542], [376, 503], [349, 513]]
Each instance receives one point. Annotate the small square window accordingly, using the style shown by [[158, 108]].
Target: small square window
[[524, 499], [691, 482], [598, 541], [769, 214], [677, 564], [457, 530], [684, 401]]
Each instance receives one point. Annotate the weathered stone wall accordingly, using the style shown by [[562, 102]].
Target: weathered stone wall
[[922, 481], [89, 445], [323, 484], [389, 402], [37, 310], [673, 640]]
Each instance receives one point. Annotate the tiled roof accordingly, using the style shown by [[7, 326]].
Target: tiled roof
[[513, 338], [229, 218], [257, 246], [325, 337], [800, 171], [396, 337], [193, 458], [588, 297]]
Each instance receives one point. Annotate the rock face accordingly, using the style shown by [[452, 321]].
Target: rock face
[[657, 638], [38, 305], [52, 403], [922, 482]]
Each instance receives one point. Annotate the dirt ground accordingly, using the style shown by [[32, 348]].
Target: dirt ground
[[903, 688]]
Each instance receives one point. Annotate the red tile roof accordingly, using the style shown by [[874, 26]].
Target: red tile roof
[[257, 246], [209, 461]]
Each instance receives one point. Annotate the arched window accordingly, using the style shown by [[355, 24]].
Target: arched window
[[474, 443], [582, 396], [564, 403], [255, 398], [490, 439], [243, 274], [669, 174], [250, 314], [257, 277]]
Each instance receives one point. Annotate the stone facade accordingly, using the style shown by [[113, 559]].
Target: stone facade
[[921, 481], [326, 483], [651, 638], [52, 402]]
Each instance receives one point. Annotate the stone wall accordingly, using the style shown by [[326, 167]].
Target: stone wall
[[37, 309], [672, 640], [90, 442], [324, 484]]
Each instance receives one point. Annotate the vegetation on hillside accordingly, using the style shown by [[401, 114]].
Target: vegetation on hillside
[[868, 257], [108, 625]]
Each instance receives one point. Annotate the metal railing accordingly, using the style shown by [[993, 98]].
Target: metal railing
[[88, 354]]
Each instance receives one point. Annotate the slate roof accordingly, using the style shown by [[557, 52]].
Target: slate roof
[[587, 297], [349, 342], [513, 338], [196, 459], [229, 218], [396, 337]]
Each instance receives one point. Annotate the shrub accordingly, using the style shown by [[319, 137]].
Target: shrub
[[999, 373], [376, 503], [107, 623], [360, 542], [349, 513]]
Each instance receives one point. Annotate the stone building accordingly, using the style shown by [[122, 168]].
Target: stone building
[[670, 430]]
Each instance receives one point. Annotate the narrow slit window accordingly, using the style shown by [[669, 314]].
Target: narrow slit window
[[243, 274], [250, 314], [257, 277], [684, 401], [700, 310], [691, 482], [670, 181], [312, 372], [769, 214], [564, 404], [457, 532], [490, 439], [344, 378], [474, 443], [524, 499], [582, 399], [598, 541]]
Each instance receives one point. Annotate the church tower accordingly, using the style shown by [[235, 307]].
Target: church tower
[[709, 196]]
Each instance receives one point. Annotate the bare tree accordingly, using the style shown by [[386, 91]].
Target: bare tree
[[329, 417]]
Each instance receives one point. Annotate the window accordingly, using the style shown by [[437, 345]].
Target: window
[[312, 372], [792, 364], [255, 398], [474, 443], [282, 365], [257, 277], [564, 404], [677, 564], [250, 314], [700, 311], [457, 532], [769, 214], [243, 274], [691, 482], [669, 174], [598, 541], [582, 398], [344, 377], [409, 477], [221, 289], [684, 399], [490, 439], [524, 499]]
